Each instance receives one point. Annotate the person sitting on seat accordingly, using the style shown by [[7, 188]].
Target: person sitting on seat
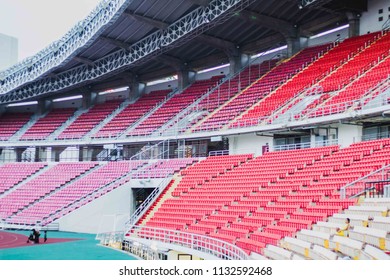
[[344, 231]]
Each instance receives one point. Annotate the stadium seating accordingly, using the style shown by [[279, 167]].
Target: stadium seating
[[370, 66], [173, 106], [48, 124], [163, 168], [88, 120], [260, 88], [12, 174], [59, 193], [44, 184], [11, 123], [132, 113], [305, 78], [258, 201]]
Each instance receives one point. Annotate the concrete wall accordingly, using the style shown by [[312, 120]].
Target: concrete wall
[[248, 143], [105, 214], [369, 21], [340, 34], [162, 86], [349, 134]]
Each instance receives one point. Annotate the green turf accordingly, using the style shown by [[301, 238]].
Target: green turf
[[85, 249]]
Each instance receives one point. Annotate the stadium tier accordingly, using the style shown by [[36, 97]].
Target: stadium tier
[[132, 113], [59, 188], [253, 140], [305, 79], [88, 120], [261, 88], [48, 124], [253, 202], [173, 106], [12, 123]]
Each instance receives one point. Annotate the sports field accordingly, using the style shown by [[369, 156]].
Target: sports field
[[59, 246]]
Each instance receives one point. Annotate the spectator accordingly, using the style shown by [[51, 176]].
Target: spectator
[[344, 231]]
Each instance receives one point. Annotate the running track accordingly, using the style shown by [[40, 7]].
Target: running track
[[12, 240]]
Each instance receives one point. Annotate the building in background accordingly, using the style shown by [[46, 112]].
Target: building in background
[[8, 51]]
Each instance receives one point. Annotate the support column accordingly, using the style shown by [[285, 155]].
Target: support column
[[354, 24], [349, 134], [89, 99], [137, 89], [3, 109], [44, 105], [237, 62], [293, 45], [183, 78]]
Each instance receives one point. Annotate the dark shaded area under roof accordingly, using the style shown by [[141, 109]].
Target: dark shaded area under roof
[[264, 24]]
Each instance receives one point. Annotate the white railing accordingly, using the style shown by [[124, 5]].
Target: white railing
[[306, 145], [311, 91], [196, 242], [141, 210], [359, 186], [219, 153], [375, 136]]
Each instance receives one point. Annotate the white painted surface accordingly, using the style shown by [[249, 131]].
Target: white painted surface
[[349, 134], [105, 214], [249, 143], [369, 21]]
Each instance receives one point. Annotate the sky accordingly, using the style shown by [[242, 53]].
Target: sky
[[37, 23]]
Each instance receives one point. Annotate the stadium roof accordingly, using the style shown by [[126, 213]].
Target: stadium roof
[[127, 40]]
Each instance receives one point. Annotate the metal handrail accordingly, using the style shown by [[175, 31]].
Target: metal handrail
[[141, 210], [344, 189], [205, 244]]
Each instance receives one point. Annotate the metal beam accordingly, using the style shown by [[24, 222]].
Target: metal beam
[[171, 61], [263, 44], [84, 60], [176, 34], [149, 21], [284, 27], [320, 23], [228, 47], [115, 42], [312, 3]]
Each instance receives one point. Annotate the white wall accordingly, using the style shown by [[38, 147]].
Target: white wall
[[248, 143], [340, 34], [105, 214], [171, 85], [369, 20], [8, 51], [349, 134]]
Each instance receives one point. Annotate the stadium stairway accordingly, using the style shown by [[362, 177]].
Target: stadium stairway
[[45, 185], [66, 124], [109, 118], [231, 90], [166, 194], [368, 237]]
